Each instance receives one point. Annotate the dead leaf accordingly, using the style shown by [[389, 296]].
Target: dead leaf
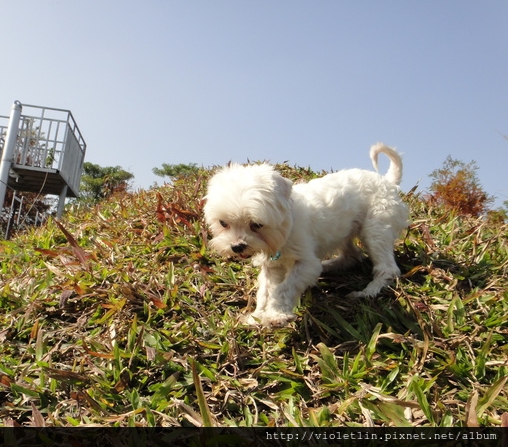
[[64, 375], [66, 294], [123, 381], [5, 380], [78, 251], [37, 418], [97, 354], [44, 251], [471, 417]]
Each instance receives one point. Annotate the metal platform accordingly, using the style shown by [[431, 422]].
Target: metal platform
[[43, 181]]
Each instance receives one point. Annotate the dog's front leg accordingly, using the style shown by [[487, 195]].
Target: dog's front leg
[[280, 289], [268, 280]]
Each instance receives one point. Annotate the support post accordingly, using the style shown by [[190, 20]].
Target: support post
[[8, 150], [61, 201]]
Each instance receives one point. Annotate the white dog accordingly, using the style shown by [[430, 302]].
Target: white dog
[[254, 211]]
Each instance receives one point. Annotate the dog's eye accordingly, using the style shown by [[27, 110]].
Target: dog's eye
[[255, 227], [224, 224]]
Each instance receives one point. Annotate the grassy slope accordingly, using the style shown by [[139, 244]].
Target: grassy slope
[[122, 317]]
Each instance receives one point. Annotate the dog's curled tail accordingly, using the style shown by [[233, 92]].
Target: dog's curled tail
[[394, 174]]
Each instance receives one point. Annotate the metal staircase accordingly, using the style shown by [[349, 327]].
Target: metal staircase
[[42, 150]]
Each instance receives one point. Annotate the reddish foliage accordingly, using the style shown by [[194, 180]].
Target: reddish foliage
[[172, 213], [456, 187]]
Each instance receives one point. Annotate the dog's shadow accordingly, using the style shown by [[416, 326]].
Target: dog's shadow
[[330, 316]]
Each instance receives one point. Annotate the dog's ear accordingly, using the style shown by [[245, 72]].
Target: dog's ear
[[283, 186]]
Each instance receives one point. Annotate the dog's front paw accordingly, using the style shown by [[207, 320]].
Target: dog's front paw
[[360, 294], [269, 319]]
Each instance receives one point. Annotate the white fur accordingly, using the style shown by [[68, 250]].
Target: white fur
[[303, 224]]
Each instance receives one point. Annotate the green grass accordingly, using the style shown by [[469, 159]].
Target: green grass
[[120, 316]]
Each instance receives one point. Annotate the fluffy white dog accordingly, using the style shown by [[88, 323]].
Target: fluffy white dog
[[289, 229]]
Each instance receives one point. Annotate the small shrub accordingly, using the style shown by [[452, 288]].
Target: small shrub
[[456, 186]]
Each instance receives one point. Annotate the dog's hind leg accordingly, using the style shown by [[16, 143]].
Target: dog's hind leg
[[379, 241]]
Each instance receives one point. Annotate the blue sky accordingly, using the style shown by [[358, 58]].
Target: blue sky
[[315, 83]]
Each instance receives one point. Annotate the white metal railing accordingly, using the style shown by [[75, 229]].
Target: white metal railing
[[49, 139], [4, 123]]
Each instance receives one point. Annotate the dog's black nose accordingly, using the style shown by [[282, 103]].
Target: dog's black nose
[[238, 248]]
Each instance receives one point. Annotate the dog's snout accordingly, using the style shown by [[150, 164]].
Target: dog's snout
[[238, 248]]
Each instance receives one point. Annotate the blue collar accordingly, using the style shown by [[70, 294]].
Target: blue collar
[[275, 257]]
